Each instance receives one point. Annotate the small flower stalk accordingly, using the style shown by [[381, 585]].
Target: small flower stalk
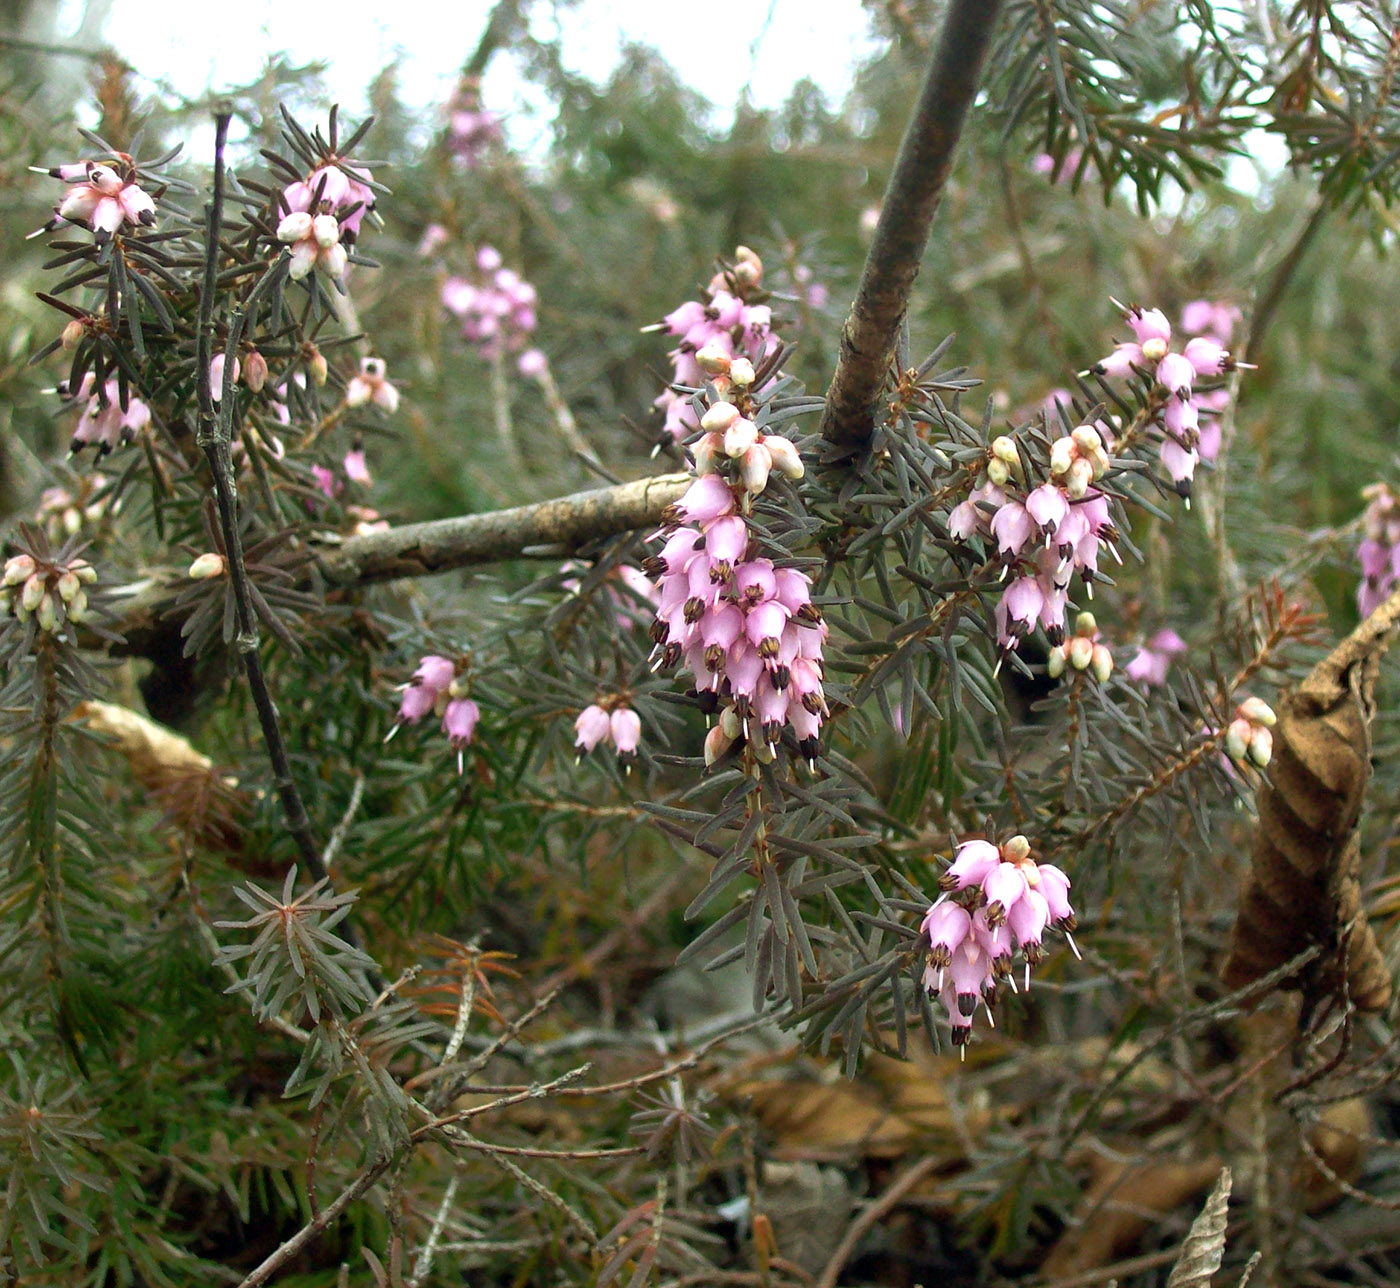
[[997, 901]]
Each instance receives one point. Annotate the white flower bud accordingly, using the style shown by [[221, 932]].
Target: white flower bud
[[741, 372], [731, 724], [1237, 738], [32, 593], [68, 586], [1017, 849], [47, 614], [294, 227], [87, 574], [1085, 624], [707, 453], [1055, 664], [317, 367], [1081, 474], [713, 360], [1081, 652], [719, 417], [1261, 747], [332, 262], [1155, 349], [77, 610], [1086, 439], [207, 566], [741, 435], [1258, 712], [754, 468], [787, 459], [1102, 663], [71, 520], [326, 230], [18, 568], [1003, 449], [1061, 455], [717, 742], [998, 472]]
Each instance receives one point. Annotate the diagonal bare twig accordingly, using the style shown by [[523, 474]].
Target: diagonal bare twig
[[911, 201]]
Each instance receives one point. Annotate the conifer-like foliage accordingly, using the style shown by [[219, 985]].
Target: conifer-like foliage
[[684, 705]]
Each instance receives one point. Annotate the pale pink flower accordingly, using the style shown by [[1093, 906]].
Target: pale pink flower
[[356, 470], [104, 196], [370, 386]]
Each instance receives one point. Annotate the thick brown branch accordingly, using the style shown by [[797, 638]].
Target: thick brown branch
[[916, 188], [547, 528], [554, 527]]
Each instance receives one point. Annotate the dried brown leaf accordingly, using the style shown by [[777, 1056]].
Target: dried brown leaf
[[1303, 887], [1204, 1246]]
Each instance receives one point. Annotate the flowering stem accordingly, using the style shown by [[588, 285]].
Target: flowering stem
[[901, 236], [505, 426], [214, 436]]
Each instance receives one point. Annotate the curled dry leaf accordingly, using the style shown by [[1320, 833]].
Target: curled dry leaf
[[1303, 886], [1204, 1247]]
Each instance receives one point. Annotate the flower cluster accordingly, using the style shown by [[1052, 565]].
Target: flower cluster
[[1082, 652], [471, 130], [1249, 739], [747, 630], [1379, 551], [103, 195], [338, 188], [728, 324], [63, 513], [313, 242], [609, 720], [437, 688], [1179, 417], [1154, 658], [1216, 321], [49, 591], [106, 420], [1045, 534], [321, 217], [497, 310], [996, 901]]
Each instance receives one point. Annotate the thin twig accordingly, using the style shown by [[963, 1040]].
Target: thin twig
[[882, 1207], [901, 236], [342, 829], [214, 438], [279, 1258], [424, 1262]]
